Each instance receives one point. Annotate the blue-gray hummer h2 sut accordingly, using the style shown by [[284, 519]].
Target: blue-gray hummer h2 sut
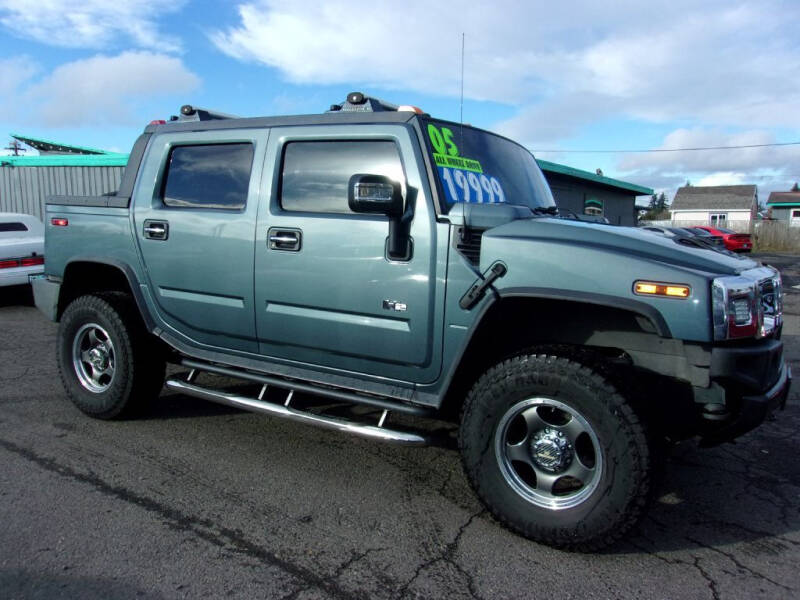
[[365, 267]]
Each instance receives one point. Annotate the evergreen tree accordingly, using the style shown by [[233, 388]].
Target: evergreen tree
[[795, 188], [657, 208], [661, 203]]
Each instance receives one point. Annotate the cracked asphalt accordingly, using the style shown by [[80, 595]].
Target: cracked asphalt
[[197, 500]]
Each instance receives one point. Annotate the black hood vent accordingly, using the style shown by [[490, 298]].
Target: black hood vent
[[468, 243]]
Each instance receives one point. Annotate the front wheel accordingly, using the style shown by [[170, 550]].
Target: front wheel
[[555, 452], [106, 359]]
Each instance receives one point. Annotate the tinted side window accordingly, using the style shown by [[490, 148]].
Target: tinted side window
[[208, 176], [315, 174], [13, 226]]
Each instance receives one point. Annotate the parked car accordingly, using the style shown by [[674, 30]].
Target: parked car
[[714, 240], [21, 248], [667, 231], [691, 235], [733, 240]]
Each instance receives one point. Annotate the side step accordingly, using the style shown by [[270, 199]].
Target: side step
[[260, 406]]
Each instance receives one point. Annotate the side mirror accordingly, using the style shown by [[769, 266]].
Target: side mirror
[[375, 194]]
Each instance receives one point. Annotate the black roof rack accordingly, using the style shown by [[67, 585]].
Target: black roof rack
[[195, 113], [359, 102]]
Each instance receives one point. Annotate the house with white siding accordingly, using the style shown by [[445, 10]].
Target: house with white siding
[[715, 205], [785, 206]]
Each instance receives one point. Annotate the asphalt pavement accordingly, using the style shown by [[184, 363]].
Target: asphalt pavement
[[201, 501]]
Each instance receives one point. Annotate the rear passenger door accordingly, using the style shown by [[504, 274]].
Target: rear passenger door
[[195, 208], [327, 294]]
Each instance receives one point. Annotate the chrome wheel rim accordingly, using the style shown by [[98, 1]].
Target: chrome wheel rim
[[548, 453], [93, 358]]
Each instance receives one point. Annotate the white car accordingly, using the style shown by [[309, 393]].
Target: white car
[[21, 248]]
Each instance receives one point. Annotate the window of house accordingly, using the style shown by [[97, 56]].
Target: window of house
[[315, 174], [592, 206], [718, 218], [208, 176]]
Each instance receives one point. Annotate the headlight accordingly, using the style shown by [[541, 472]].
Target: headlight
[[747, 305]]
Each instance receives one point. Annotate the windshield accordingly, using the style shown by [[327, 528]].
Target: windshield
[[476, 166]]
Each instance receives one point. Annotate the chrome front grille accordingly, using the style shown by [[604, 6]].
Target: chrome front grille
[[771, 299], [770, 292]]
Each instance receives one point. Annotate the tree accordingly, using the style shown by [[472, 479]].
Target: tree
[[661, 205], [795, 188], [657, 209], [658, 203]]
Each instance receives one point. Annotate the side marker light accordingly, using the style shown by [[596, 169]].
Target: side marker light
[[654, 288]]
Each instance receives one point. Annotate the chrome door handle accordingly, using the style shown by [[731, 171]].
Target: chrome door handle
[[156, 230], [284, 239]]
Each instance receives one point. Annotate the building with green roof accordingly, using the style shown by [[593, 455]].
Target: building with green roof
[[66, 169], [26, 181]]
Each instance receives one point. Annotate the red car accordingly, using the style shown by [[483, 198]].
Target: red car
[[738, 242]]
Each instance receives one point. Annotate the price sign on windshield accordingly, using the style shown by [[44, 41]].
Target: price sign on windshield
[[462, 178]]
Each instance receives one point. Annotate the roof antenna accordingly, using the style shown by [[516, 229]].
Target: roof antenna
[[461, 116]]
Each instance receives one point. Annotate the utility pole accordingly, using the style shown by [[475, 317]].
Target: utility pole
[[15, 147]]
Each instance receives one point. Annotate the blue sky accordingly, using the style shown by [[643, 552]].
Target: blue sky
[[575, 75]]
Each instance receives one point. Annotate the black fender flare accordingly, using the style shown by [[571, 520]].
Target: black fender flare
[[130, 276], [641, 308]]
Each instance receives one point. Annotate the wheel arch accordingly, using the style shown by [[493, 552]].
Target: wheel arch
[[606, 326], [92, 274]]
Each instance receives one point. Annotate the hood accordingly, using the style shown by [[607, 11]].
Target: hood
[[628, 240]]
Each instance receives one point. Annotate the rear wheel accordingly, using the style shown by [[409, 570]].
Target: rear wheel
[[107, 361], [555, 452]]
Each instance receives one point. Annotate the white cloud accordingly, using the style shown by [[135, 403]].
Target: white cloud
[[561, 65], [723, 179], [91, 23], [102, 89], [733, 160], [769, 167], [708, 68], [412, 45], [14, 72]]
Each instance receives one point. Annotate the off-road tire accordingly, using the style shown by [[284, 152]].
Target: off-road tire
[[610, 509], [138, 366]]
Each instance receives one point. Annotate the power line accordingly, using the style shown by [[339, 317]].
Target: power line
[[669, 149]]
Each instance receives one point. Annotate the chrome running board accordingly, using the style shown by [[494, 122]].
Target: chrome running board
[[258, 405]]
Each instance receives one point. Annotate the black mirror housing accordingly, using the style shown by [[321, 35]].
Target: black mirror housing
[[376, 194]]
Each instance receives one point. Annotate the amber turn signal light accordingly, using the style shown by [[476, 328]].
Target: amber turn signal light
[[654, 288]]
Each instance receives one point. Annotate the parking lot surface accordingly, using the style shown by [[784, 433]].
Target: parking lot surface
[[197, 500]]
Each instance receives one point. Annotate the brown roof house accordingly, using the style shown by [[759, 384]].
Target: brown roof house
[[785, 206], [715, 205]]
